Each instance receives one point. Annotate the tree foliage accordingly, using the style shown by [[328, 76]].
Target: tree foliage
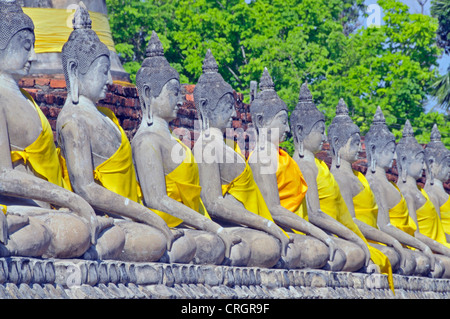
[[318, 41]]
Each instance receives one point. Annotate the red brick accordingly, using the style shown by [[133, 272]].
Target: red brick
[[54, 111], [26, 83], [57, 84], [49, 98], [190, 88], [190, 97], [42, 81]]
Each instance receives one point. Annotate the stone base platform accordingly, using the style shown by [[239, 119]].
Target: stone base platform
[[29, 278]]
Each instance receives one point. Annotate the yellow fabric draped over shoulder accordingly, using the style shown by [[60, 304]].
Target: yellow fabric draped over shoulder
[[43, 155], [117, 173], [332, 203], [3, 208], [183, 185], [366, 208], [53, 27], [399, 216], [246, 191], [445, 216], [292, 186], [429, 223]]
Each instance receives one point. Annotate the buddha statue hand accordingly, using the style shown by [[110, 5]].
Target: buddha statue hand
[[228, 239], [172, 236]]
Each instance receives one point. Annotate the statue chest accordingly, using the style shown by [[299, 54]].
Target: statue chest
[[105, 138]]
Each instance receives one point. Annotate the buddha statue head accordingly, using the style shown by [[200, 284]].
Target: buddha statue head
[[437, 158], [380, 143], [344, 135], [85, 60], [307, 123], [158, 84], [410, 155], [269, 113], [16, 40], [213, 97]]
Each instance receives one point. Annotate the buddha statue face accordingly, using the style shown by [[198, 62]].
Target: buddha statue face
[[214, 97], [380, 143], [94, 83], [17, 57], [85, 60], [437, 158], [410, 155], [316, 137], [158, 84], [349, 152], [269, 112]]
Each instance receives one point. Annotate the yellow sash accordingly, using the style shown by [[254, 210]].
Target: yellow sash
[[246, 191], [117, 173], [399, 216], [429, 223], [445, 216], [366, 208], [42, 154], [292, 186], [3, 208], [183, 185], [332, 203]]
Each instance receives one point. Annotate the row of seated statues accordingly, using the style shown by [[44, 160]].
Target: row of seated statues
[[98, 196]]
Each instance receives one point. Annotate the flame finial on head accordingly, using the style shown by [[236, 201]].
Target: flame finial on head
[[408, 130], [81, 18], [266, 81], [435, 134], [154, 47], [209, 63]]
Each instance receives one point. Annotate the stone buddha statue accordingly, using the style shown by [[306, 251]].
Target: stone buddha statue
[[393, 216], [282, 184], [410, 165], [170, 185], [437, 159], [345, 141], [99, 156], [229, 192], [326, 207], [42, 217]]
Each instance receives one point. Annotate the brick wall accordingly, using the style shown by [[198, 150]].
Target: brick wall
[[50, 94]]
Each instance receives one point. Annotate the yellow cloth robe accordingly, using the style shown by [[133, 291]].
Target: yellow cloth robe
[[445, 216], [399, 216], [366, 208], [333, 204], [3, 208], [292, 186], [183, 185], [117, 173], [246, 191], [429, 223], [43, 155]]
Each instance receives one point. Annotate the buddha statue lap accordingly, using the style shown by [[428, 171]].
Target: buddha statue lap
[[429, 229], [326, 207], [43, 218], [437, 159], [229, 191], [170, 184], [393, 216], [98, 154], [282, 184]]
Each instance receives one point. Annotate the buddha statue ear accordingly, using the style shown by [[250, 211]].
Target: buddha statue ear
[[404, 171], [262, 131], [430, 166], [373, 161], [72, 71], [337, 154], [147, 105], [203, 103], [298, 131]]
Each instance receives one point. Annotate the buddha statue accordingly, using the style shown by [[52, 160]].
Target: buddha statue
[[229, 192], [393, 216], [284, 187], [410, 165], [98, 154], [326, 207], [42, 218], [170, 185], [345, 141], [437, 159]]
